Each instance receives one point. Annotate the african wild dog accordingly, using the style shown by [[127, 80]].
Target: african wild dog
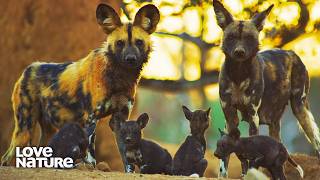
[[189, 158], [260, 84], [262, 151], [147, 155], [70, 141], [100, 84]]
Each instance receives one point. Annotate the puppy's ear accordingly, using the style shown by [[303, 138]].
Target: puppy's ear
[[235, 134], [224, 18], [147, 18], [143, 120], [208, 111], [187, 112], [107, 18], [259, 19], [222, 133]]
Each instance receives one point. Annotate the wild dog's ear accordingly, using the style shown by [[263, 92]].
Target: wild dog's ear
[[143, 120], [224, 18], [208, 111], [187, 112], [107, 18], [222, 133], [259, 19], [234, 134], [147, 18]]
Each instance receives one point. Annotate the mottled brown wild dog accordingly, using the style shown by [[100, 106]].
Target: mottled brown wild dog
[[260, 84], [102, 83]]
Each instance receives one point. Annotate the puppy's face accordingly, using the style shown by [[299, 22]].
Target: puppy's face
[[199, 120], [227, 143], [129, 44], [240, 38], [224, 147], [130, 131]]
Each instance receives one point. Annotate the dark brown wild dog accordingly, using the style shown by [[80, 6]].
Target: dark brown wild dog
[[260, 84], [101, 84], [262, 151]]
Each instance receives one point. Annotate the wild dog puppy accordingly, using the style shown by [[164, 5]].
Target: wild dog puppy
[[260, 84], [262, 151], [189, 158], [102, 83], [70, 141], [147, 155]]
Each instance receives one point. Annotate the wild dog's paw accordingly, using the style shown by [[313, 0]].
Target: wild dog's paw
[[129, 168], [89, 159]]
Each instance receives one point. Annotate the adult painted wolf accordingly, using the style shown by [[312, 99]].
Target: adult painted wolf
[[102, 83], [260, 84]]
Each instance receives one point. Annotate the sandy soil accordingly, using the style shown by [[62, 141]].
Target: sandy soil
[[310, 165], [8, 173]]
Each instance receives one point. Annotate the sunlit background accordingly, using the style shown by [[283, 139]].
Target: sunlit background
[[186, 46]]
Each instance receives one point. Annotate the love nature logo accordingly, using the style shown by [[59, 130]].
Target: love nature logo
[[32, 157]]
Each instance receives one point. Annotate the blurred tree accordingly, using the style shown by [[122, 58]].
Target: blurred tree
[[276, 34]]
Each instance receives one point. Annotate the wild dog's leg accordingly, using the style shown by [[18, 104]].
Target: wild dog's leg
[[91, 132], [274, 173], [274, 126], [244, 166], [121, 109], [299, 103], [115, 122], [274, 130], [25, 116], [20, 138], [232, 119], [231, 116], [47, 131], [253, 118], [281, 173], [201, 166]]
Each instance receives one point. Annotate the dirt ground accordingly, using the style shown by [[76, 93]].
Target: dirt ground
[[310, 165], [8, 173]]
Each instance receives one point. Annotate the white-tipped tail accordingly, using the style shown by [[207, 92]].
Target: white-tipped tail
[[195, 175], [300, 170]]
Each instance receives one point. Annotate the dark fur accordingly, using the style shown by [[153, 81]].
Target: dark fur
[[70, 141], [260, 84], [189, 158], [150, 157], [261, 151]]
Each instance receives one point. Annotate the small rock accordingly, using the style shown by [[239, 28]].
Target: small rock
[[84, 166], [103, 166]]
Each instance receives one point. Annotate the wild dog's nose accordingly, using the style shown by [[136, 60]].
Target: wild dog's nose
[[131, 58], [239, 52], [128, 139]]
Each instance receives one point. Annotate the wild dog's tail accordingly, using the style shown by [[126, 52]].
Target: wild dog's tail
[[300, 86], [295, 165]]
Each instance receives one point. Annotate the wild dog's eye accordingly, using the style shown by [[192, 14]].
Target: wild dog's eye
[[139, 42], [120, 43], [250, 37], [231, 36]]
